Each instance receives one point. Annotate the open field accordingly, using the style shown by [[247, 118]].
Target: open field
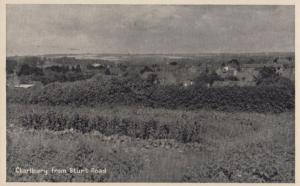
[[234, 147]]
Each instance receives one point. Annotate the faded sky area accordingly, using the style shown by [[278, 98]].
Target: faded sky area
[[45, 29]]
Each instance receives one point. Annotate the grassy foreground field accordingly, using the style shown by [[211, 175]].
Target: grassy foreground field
[[229, 147]]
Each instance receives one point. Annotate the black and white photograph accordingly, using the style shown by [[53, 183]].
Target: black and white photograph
[[150, 93]]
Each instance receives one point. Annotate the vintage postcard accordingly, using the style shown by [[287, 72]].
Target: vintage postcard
[[149, 93]]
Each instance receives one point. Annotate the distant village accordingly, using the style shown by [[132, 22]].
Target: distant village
[[38, 71]]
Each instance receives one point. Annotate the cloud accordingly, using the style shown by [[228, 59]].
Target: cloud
[[149, 28]]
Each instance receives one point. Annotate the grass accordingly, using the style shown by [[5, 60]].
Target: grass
[[236, 147], [46, 150]]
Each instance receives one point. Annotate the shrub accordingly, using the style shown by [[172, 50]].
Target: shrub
[[51, 76], [11, 66], [232, 78], [183, 131], [266, 73], [57, 68], [275, 81], [209, 78], [29, 70], [268, 76]]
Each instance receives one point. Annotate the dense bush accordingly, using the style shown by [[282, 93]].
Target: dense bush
[[10, 66], [232, 78], [32, 60], [257, 99], [181, 131], [209, 78], [268, 76], [69, 76], [50, 74], [57, 68], [76, 69], [29, 70], [136, 91], [275, 81]]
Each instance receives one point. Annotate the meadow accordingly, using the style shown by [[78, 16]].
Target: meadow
[[229, 147]]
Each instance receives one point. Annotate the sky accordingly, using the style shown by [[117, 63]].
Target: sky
[[138, 29]]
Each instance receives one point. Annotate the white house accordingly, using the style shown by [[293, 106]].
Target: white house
[[188, 83], [24, 85]]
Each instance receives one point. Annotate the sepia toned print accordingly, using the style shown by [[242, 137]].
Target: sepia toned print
[[150, 93]]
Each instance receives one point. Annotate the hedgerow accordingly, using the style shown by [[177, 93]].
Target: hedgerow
[[269, 98]]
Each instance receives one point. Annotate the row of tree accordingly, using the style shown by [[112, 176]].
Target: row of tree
[[26, 69]]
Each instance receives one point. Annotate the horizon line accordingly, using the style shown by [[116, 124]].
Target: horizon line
[[179, 53]]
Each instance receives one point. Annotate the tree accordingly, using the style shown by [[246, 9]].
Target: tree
[[78, 69], [209, 78], [29, 70], [11, 66], [267, 72], [107, 72], [269, 76], [32, 60]]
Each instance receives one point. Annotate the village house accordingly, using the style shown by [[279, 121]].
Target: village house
[[188, 83], [229, 69], [13, 81], [97, 65], [24, 85]]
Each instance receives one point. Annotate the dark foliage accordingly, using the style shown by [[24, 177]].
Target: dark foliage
[[53, 74], [77, 68], [267, 72], [30, 70], [286, 66], [232, 78], [107, 72], [209, 78], [32, 60], [134, 91], [69, 76], [57, 68], [173, 63], [235, 63], [146, 69], [152, 129], [268, 76], [11, 66], [92, 67]]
